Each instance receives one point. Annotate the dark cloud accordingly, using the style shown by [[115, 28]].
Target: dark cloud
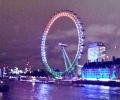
[[23, 21]]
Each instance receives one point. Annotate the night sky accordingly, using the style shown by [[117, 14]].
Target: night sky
[[23, 21]]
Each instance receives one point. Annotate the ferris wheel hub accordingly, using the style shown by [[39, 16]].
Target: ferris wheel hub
[[62, 44]]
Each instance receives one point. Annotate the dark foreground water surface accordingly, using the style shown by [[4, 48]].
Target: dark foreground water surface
[[30, 91]]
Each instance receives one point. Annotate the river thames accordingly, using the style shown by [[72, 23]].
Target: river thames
[[37, 91]]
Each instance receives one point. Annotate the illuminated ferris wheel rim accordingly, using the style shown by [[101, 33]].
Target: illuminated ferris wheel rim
[[73, 17]]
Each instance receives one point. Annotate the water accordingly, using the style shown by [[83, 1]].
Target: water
[[36, 91]]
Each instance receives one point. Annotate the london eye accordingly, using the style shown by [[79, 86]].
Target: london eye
[[69, 65]]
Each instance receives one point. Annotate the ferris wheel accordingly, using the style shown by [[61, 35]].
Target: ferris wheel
[[69, 65]]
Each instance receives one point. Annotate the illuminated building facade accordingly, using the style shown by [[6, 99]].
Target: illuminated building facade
[[108, 70], [96, 52]]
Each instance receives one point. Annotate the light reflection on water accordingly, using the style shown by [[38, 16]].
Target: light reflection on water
[[36, 91], [43, 93]]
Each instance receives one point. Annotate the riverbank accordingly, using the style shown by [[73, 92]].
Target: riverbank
[[71, 82], [88, 82]]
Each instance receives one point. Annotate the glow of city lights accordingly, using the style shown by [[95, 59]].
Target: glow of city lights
[[101, 74]]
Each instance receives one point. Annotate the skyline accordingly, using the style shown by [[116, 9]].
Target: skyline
[[22, 24]]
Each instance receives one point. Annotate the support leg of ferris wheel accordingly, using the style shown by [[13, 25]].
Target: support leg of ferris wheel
[[65, 56]]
